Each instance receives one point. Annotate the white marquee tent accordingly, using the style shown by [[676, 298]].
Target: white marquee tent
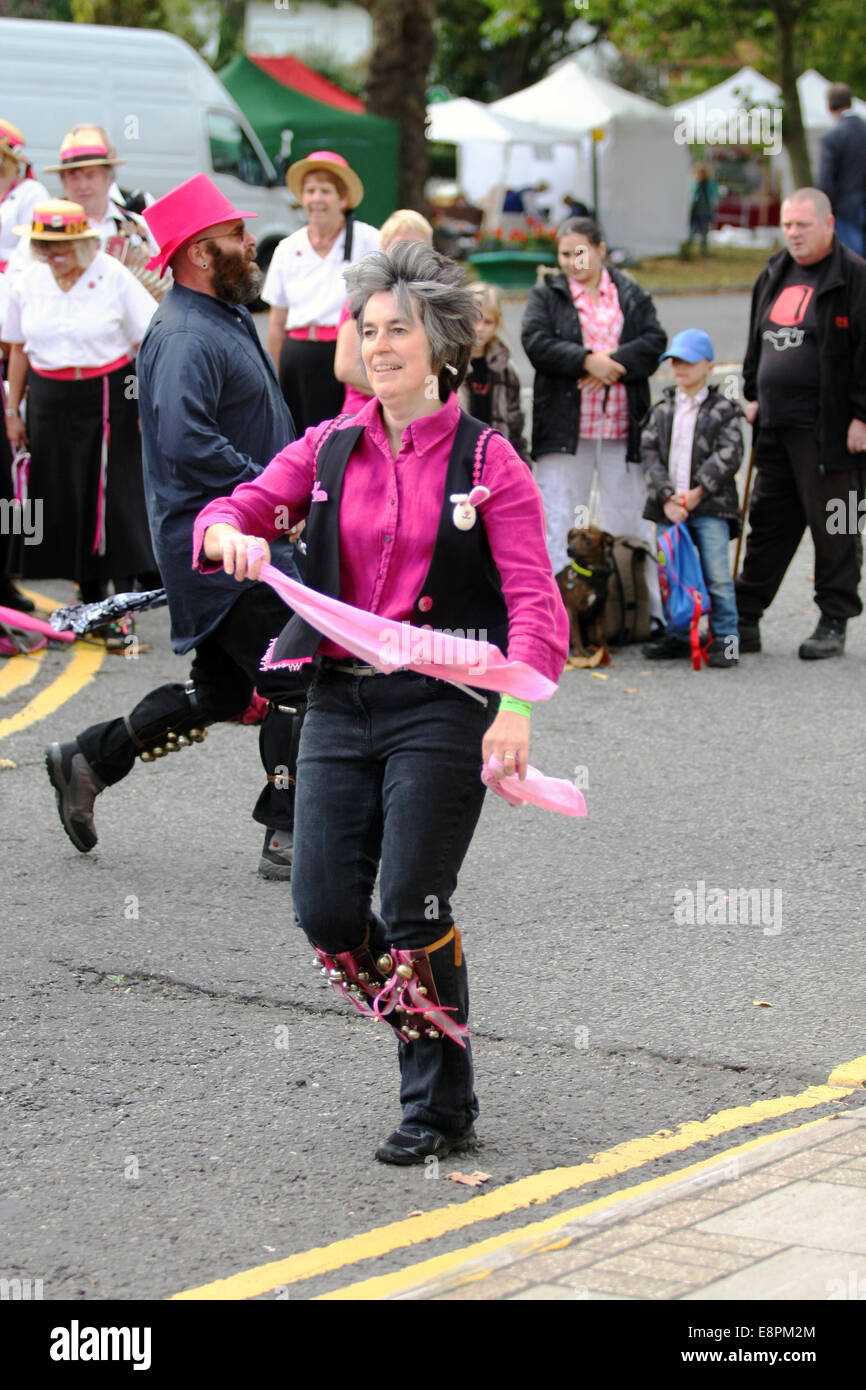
[[748, 89], [643, 173]]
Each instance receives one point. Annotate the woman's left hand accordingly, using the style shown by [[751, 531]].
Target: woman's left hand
[[508, 740]]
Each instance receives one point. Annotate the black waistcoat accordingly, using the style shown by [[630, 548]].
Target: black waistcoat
[[462, 592]]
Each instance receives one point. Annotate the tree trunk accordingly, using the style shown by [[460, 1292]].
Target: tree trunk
[[233, 19], [786, 16], [403, 46]]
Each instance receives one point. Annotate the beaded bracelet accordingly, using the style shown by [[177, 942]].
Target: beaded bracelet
[[508, 702]]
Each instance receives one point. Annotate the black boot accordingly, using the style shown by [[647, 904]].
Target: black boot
[[436, 1074], [11, 597], [76, 787], [828, 639], [750, 636]]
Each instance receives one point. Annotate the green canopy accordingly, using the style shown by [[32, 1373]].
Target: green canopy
[[369, 143]]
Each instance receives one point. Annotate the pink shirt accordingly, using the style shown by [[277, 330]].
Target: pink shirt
[[601, 322], [389, 517]]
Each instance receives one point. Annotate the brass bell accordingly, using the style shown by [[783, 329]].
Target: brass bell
[[405, 972], [413, 1034], [422, 989], [171, 736], [335, 975], [385, 964], [431, 1033], [183, 742], [173, 747], [146, 757], [363, 977], [197, 735], [158, 751]]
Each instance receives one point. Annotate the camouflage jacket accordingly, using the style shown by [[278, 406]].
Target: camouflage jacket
[[717, 453]]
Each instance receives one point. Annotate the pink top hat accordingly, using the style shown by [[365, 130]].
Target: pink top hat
[[186, 210]]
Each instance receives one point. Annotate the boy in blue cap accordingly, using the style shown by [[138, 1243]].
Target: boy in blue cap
[[691, 448]]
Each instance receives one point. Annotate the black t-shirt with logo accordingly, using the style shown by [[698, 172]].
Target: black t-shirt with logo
[[478, 381], [788, 366]]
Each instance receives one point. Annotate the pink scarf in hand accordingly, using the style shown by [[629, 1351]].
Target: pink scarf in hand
[[393, 646], [551, 793]]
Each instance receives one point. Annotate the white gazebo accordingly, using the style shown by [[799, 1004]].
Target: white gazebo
[[643, 174]]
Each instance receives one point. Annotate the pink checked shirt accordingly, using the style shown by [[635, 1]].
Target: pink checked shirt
[[389, 517], [601, 323]]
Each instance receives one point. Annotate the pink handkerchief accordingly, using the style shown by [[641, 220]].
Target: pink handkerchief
[[551, 793]]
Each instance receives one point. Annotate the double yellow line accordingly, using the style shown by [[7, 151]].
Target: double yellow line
[[541, 1187], [84, 663]]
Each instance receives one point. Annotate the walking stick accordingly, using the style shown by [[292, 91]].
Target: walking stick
[[743, 515]]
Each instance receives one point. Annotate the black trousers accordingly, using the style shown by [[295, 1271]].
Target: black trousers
[[224, 671], [308, 383], [790, 493]]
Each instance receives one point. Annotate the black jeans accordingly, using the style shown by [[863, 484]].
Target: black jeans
[[389, 779], [790, 494], [224, 671]]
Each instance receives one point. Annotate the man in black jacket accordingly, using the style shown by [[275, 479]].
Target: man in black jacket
[[804, 377], [843, 168]]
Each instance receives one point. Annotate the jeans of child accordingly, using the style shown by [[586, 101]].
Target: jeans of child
[[389, 779], [712, 535]]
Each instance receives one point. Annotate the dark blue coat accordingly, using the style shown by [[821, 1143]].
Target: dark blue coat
[[212, 416]]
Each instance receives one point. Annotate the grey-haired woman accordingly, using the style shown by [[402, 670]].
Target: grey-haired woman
[[388, 770]]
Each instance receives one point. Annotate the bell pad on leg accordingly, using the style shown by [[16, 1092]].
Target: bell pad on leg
[[410, 993]]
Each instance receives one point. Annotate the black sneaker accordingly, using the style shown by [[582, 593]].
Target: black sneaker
[[666, 647], [750, 636], [277, 852], [413, 1143], [723, 653], [828, 639], [76, 787]]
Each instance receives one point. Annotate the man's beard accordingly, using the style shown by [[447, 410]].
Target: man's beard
[[236, 280]]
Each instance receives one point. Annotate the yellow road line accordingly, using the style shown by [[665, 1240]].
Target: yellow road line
[[83, 666], [19, 671], [535, 1238], [541, 1187]]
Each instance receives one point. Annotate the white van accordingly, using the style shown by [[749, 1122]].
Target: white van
[[168, 114]]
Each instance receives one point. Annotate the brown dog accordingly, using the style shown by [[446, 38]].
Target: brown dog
[[583, 585]]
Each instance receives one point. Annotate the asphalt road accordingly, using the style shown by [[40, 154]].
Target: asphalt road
[[183, 1098]]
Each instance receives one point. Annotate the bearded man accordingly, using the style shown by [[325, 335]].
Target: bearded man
[[212, 416]]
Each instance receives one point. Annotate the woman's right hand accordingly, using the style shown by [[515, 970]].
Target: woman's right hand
[[603, 367], [674, 510], [230, 546], [16, 432]]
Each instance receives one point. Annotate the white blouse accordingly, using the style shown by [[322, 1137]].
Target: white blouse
[[101, 318], [16, 210], [311, 286]]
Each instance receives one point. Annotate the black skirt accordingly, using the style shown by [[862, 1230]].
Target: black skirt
[[64, 424], [307, 379]]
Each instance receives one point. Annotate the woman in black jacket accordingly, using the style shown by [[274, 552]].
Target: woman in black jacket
[[593, 337]]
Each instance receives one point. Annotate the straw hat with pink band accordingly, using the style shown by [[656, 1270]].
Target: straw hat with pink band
[[11, 141], [325, 161], [184, 213], [82, 148], [57, 220]]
